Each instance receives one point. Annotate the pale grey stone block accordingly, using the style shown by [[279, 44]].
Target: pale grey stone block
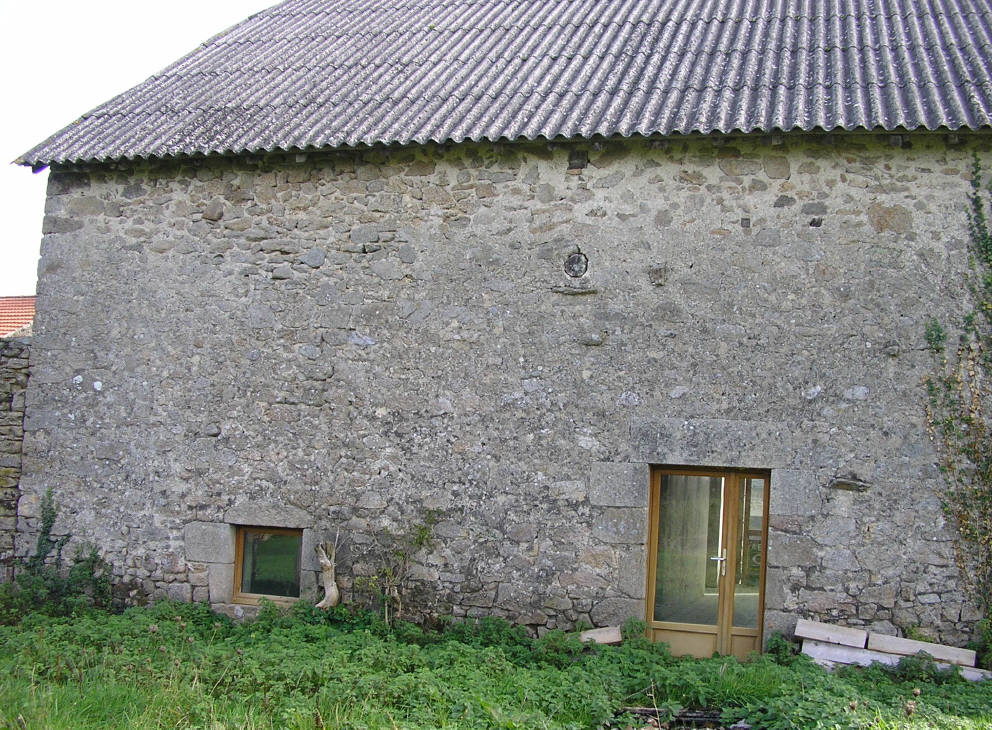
[[268, 514], [632, 580], [179, 592], [779, 622], [525, 532], [365, 233], [308, 558], [886, 628], [709, 442], [775, 588], [615, 611], [309, 589], [313, 258], [621, 525], [794, 492], [619, 484], [209, 542], [787, 551], [221, 582], [261, 317]]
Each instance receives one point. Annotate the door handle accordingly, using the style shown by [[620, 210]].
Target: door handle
[[722, 560]]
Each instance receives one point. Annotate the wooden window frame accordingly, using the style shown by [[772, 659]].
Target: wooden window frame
[[252, 599]]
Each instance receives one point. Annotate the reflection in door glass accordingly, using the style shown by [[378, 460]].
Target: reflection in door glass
[[690, 519], [748, 552]]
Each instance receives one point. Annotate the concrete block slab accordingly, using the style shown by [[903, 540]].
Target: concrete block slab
[[908, 647], [605, 635], [831, 633]]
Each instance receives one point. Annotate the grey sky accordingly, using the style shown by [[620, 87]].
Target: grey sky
[[61, 59]]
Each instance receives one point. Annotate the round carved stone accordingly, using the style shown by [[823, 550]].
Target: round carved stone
[[576, 265]]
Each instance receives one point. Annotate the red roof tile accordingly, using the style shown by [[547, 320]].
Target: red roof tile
[[15, 312]]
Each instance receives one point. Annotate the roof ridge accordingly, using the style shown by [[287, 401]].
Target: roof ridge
[[547, 92], [280, 69]]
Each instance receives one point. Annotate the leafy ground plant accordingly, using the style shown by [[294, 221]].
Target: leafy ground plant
[[45, 583], [181, 666]]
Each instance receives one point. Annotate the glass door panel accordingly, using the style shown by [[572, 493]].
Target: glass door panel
[[749, 552], [690, 522]]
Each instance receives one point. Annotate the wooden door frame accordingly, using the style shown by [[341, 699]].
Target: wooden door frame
[[724, 629]]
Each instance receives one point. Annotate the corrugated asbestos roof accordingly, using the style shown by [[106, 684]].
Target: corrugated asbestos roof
[[328, 73]]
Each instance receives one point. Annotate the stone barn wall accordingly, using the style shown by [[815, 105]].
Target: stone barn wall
[[13, 382], [346, 341]]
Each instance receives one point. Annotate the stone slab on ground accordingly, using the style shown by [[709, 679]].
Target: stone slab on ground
[[605, 635], [843, 635], [908, 647], [827, 655]]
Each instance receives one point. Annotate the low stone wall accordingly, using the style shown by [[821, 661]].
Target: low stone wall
[[13, 383]]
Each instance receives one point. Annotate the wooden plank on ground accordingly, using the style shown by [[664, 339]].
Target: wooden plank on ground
[[829, 654], [606, 635], [908, 647], [844, 635]]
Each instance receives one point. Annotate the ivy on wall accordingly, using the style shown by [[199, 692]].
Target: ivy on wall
[[959, 411]]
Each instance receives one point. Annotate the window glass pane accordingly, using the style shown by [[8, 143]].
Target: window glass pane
[[748, 552], [270, 563], [690, 519]]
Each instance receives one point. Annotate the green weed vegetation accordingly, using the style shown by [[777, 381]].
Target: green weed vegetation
[[181, 666], [959, 414]]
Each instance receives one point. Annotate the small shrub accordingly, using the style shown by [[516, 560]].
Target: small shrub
[[558, 649], [780, 649], [487, 631], [43, 582], [392, 582], [633, 629], [915, 633], [981, 643], [923, 668], [935, 336]]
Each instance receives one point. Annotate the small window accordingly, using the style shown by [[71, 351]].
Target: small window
[[267, 564]]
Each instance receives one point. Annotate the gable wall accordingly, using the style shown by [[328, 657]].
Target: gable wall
[[365, 337]]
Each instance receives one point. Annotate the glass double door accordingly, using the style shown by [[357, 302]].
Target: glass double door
[[707, 560]]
